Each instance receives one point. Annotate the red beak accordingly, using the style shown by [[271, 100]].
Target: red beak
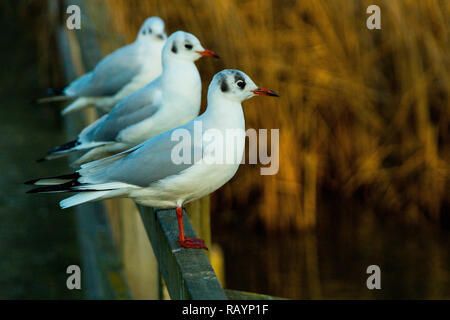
[[265, 92], [208, 53]]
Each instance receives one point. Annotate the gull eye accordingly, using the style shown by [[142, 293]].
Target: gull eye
[[241, 84], [149, 30], [188, 46]]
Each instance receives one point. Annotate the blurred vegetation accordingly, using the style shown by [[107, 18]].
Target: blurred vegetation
[[363, 114]]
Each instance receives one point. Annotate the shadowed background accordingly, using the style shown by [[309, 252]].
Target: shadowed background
[[363, 114], [364, 139]]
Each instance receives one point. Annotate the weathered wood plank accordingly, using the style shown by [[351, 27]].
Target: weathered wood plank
[[186, 272]]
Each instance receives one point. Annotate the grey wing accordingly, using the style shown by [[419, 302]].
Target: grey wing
[[150, 94], [110, 75], [147, 163], [136, 107]]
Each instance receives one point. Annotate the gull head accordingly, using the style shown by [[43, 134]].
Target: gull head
[[235, 85], [185, 46], [153, 29]]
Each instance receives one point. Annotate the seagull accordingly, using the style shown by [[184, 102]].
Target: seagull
[[118, 74], [169, 101], [147, 172]]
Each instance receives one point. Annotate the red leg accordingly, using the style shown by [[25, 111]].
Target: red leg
[[187, 242]]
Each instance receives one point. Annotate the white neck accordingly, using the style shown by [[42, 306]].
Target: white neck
[[148, 45], [224, 113], [180, 76]]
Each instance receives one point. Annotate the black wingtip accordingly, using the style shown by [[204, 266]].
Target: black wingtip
[[41, 160], [70, 176], [48, 96], [64, 187], [64, 147], [32, 181], [54, 92]]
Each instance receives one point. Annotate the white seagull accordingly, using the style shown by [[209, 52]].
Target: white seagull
[[147, 172], [118, 74], [169, 101]]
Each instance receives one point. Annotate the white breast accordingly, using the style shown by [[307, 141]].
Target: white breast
[[205, 176]]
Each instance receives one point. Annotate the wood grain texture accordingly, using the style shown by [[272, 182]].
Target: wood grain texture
[[186, 272]]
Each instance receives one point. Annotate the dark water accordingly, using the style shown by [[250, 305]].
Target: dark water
[[331, 261], [37, 240]]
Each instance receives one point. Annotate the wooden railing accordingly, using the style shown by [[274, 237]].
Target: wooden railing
[[131, 251], [186, 272]]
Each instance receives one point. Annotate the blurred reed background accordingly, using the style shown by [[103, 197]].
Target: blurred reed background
[[363, 115]]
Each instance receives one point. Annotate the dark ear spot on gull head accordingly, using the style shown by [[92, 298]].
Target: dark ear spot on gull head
[[223, 85], [174, 48]]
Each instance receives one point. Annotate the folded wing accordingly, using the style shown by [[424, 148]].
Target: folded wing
[[109, 76]]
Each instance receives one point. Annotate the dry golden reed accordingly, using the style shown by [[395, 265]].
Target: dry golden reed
[[363, 115]]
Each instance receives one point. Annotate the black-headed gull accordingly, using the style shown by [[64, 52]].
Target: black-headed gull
[[120, 73], [169, 101], [148, 173]]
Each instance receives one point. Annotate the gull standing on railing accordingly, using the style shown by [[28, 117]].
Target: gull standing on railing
[[148, 174], [118, 74], [169, 101]]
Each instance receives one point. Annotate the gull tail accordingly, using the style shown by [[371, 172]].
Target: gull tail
[[95, 192], [67, 148], [70, 183], [79, 198], [86, 192]]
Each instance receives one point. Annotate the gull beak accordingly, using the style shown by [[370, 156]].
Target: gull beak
[[208, 53], [265, 92]]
